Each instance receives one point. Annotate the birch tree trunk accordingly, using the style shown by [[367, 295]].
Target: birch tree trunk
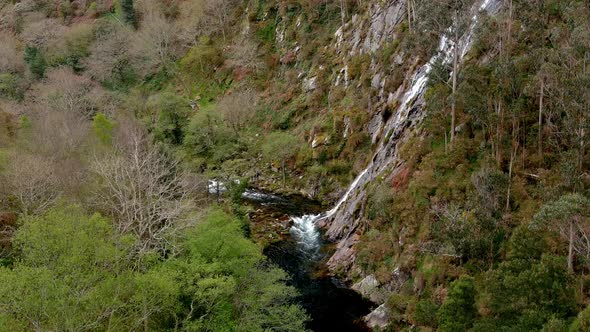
[[455, 69]]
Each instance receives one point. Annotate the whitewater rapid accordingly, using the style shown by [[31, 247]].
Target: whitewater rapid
[[307, 235]]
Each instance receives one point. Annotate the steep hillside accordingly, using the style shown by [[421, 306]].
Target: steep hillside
[[446, 141]]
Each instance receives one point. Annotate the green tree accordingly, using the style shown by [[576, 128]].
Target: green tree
[[265, 303], [555, 325], [155, 298], [74, 272], [70, 273], [36, 61], [425, 314], [280, 146], [128, 12], [103, 128], [569, 216], [528, 289], [582, 322], [207, 137], [458, 311], [170, 113], [230, 286], [8, 85]]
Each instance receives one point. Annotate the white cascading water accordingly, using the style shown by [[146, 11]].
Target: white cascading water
[[307, 235], [304, 228], [345, 197]]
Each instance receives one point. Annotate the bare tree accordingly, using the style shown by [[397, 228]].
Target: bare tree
[[411, 12], [218, 14], [64, 91], [189, 22], [30, 180], [156, 39], [451, 23], [11, 59], [238, 108], [109, 54], [244, 53], [58, 134], [146, 194], [40, 31]]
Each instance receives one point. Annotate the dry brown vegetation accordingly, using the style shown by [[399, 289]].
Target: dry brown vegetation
[[147, 194]]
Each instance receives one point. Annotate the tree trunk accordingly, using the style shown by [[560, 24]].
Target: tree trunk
[[513, 154], [499, 132], [570, 252], [217, 190], [539, 134], [146, 325], [454, 93], [284, 174], [342, 11], [509, 182], [409, 10]]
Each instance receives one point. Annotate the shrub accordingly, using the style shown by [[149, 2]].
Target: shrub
[[582, 322], [8, 85]]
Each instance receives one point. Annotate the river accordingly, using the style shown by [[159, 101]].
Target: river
[[302, 252]]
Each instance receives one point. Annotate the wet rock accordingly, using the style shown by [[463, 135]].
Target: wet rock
[[345, 220], [345, 254], [374, 127]]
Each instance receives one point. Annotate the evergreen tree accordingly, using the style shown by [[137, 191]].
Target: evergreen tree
[[128, 12], [36, 61], [458, 311]]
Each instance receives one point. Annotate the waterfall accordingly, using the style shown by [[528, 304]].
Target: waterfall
[[305, 228], [338, 217], [345, 197]]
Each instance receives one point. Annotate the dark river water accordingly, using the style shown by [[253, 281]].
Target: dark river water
[[302, 253]]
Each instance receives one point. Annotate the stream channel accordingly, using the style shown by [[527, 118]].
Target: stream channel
[[303, 252]]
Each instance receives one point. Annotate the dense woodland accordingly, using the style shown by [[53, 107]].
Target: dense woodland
[[114, 114]]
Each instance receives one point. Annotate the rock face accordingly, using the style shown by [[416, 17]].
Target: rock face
[[395, 117], [366, 36], [378, 317], [394, 91], [309, 84], [369, 288]]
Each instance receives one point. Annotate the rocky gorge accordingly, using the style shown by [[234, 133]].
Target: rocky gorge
[[395, 116]]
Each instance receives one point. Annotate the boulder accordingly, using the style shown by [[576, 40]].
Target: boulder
[[378, 317], [310, 84], [369, 288]]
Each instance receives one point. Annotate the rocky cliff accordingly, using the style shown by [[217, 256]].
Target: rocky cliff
[[395, 109]]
